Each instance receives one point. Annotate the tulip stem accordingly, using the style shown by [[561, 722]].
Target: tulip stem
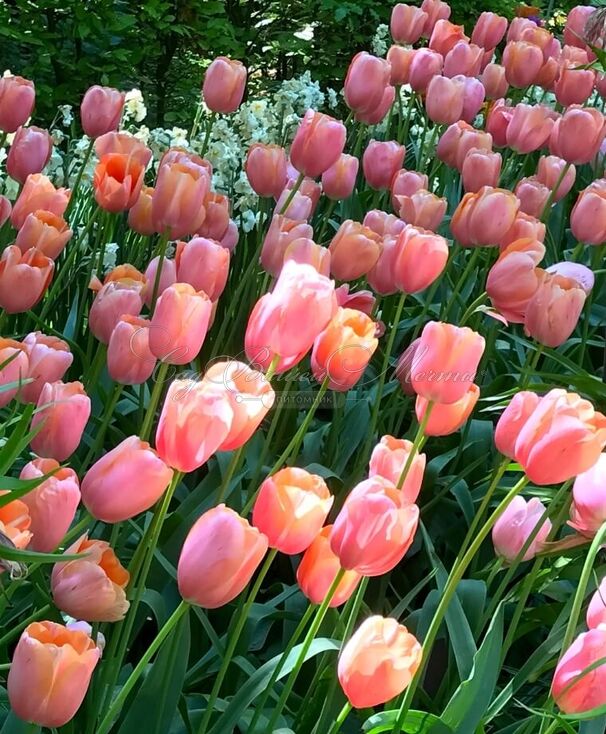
[[472, 307], [87, 155], [300, 434], [231, 470], [233, 641], [108, 414], [309, 638], [417, 444], [118, 702], [197, 116], [461, 282], [17, 629], [450, 588], [162, 243], [340, 718], [553, 193], [291, 195], [209, 128], [153, 401]]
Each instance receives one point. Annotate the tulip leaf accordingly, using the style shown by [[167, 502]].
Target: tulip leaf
[[416, 722], [14, 725], [470, 701], [26, 556], [17, 488]]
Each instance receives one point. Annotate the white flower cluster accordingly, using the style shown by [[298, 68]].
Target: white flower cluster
[[381, 41], [134, 107]]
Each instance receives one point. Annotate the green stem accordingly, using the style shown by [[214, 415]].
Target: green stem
[[163, 242], [101, 431], [118, 702], [417, 444], [209, 128], [291, 195], [309, 637], [340, 718], [194, 127], [472, 307], [449, 590], [17, 629], [233, 641], [530, 366], [153, 401], [231, 470], [461, 282], [552, 194]]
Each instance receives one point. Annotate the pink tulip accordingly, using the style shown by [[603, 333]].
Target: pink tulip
[[204, 264], [444, 100], [436, 10], [588, 216], [365, 83], [514, 527], [529, 127], [168, 277], [573, 692], [423, 209], [578, 134], [463, 59], [388, 460], [522, 62], [575, 25], [446, 418], [116, 297], [383, 223], [588, 510], [407, 23], [484, 218], [15, 368], [381, 161], [424, 66], [24, 278], [489, 30], [339, 180], [45, 231], [224, 84], [574, 85], [533, 196], [457, 140], [354, 250], [63, 412], [101, 110], [480, 168], [494, 80], [17, 97], [445, 35], [473, 98], [125, 144], [406, 183], [49, 360], [318, 143], [549, 173], [129, 358], [281, 232], [400, 59], [377, 114], [596, 611], [30, 151]]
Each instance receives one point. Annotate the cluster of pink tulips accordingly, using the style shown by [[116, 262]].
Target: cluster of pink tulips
[[409, 268]]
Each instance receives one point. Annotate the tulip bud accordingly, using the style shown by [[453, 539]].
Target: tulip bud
[[514, 527], [514, 278], [101, 110], [140, 214], [366, 81], [549, 171], [24, 278], [52, 504], [14, 368], [420, 257], [115, 299], [573, 692], [444, 101], [265, 168], [49, 360], [529, 127], [168, 277], [407, 23], [218, 558], [473, 98], [445, 419], [381, 161], [339, 180], [512, 420], [480, 168], [463, 59], [125, 144], [30, 151], [204, 264], [423, 209], [38, 193], [578, 134], [588, 511], [178, 198], [388, 460], [91, 588], [553, 311], [522, 62], [216, 220], [281, 232], [457, 140], [63, 412], [424, 66], [484, 218], [129, 358], [574, 85], [224, 84], [596, 611], [532, 195], [45, 231], [489, 30], [436, 10], [576, 22], [318, 143], [59, 663], [382, 277], [354, 250], [588, 216], [17, 97], [400, 59], [494, 80]]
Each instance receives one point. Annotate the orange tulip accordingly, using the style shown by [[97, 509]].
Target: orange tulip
[[378, 662], [522, 62], [484, 218], [124, 143], [423, 209], [218, 558], [93, 587], [178, 198], [354, 250], [50, 673], [445, 35], [140, 214], [400, 60], [447, 418], [117, 182], [38, 193], [305, 252], [24, 278], [15, 523], [388, 459], [63, 412], [46, 232]]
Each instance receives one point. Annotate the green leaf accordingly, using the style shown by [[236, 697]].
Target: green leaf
[[19, 487], [470, 701], [25, 556], [416, 722], [13, 725]]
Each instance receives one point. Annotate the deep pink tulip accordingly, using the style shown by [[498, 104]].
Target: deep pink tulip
[[407, 23], [63, 412], [30, 151], [573, 692], [489, 30], [101, 110], [381, 161], [224, 84], [17, 97]]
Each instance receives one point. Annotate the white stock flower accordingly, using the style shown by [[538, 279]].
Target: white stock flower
[[109, 256], [134, 106], [380, 41]]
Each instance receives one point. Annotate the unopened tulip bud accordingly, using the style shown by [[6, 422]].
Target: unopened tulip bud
[[224, 84], [400, 59], [24, 278], [574, 85], [365, 83], [265, 169], [436, 10], [219, 556], [282, 231], [38, 193], [445, 419], [63, 412], [573, 692], [532, 195], [494, 80], [30, 151], [549, 173], [588, 216], [178, 199], [14, 361], [339, 180], [17, 97], [473, 98], [553, 311], [49, 360], [512, 420], [576, 22], [578, 134], [385, 224], [204, 264], [129, 358], [583, 275], [512, 530], [423, 209], [140, 214], [484, 218], [425, 64], [101, 110], [381, 161], [407, 23], [420, 257], [529, 127], [445, 35], [389, 459], [480, 168], [522, 62], [318, 143], [489, 30], [457, 140], [377, 114], [354, 251], [444, 100], [463, 59]]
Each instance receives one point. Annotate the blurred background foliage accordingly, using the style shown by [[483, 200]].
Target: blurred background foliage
[[163, 46]]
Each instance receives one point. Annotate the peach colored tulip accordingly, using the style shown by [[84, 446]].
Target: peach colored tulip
[[216, 220], [423, 209], [548, 74], [318, 143], [377, 114], [24, 278], [131, 464], [529, 127], [343, 350], [596, 611], [101, 110], [458, 140], [445, 35], [306, 252], [588, 510], [290, 509], [300, 207], [444, 100], [366, 81], [446, 361], [265, 168], [378, 662], [463, 59], [522, 62], [578, 134], [278, 324], [425, 64], [445, 419], [407, 23], [218, 558], [406, 183], [514, 527], [561, 438], [230, 238], [29, 153], [115, 299], [124, 143], [281, 232], [187, 158], [436, 10], [14, 371], [250, 394], [532, 195], [15, 522], [553, 311], [38, 193], [388, 460], [354, 250], [524, 227], [50, 673], [52, 504], [575, 25], [17, 98], [400, 59], [129, 358], [168, 277], [382, 277], [517, 27], [339, 180], [140, 214], [381, 161], [384, 224], [318, 569], [480, 168], [196, 419], [574, 85], [583, 275], [117, 182], [374, 529], [178, 198], [49, 359], [179, 324], [63, 412], [473, 98], [91, 588], [549, 171], [420, 257], [497, 122], [489, 30], [404, 367], [588, 216], [513, 419], [514, 278], [573, 692], [494, 80], [224, 84], [46, 232], [204, 264], [484, 218]]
